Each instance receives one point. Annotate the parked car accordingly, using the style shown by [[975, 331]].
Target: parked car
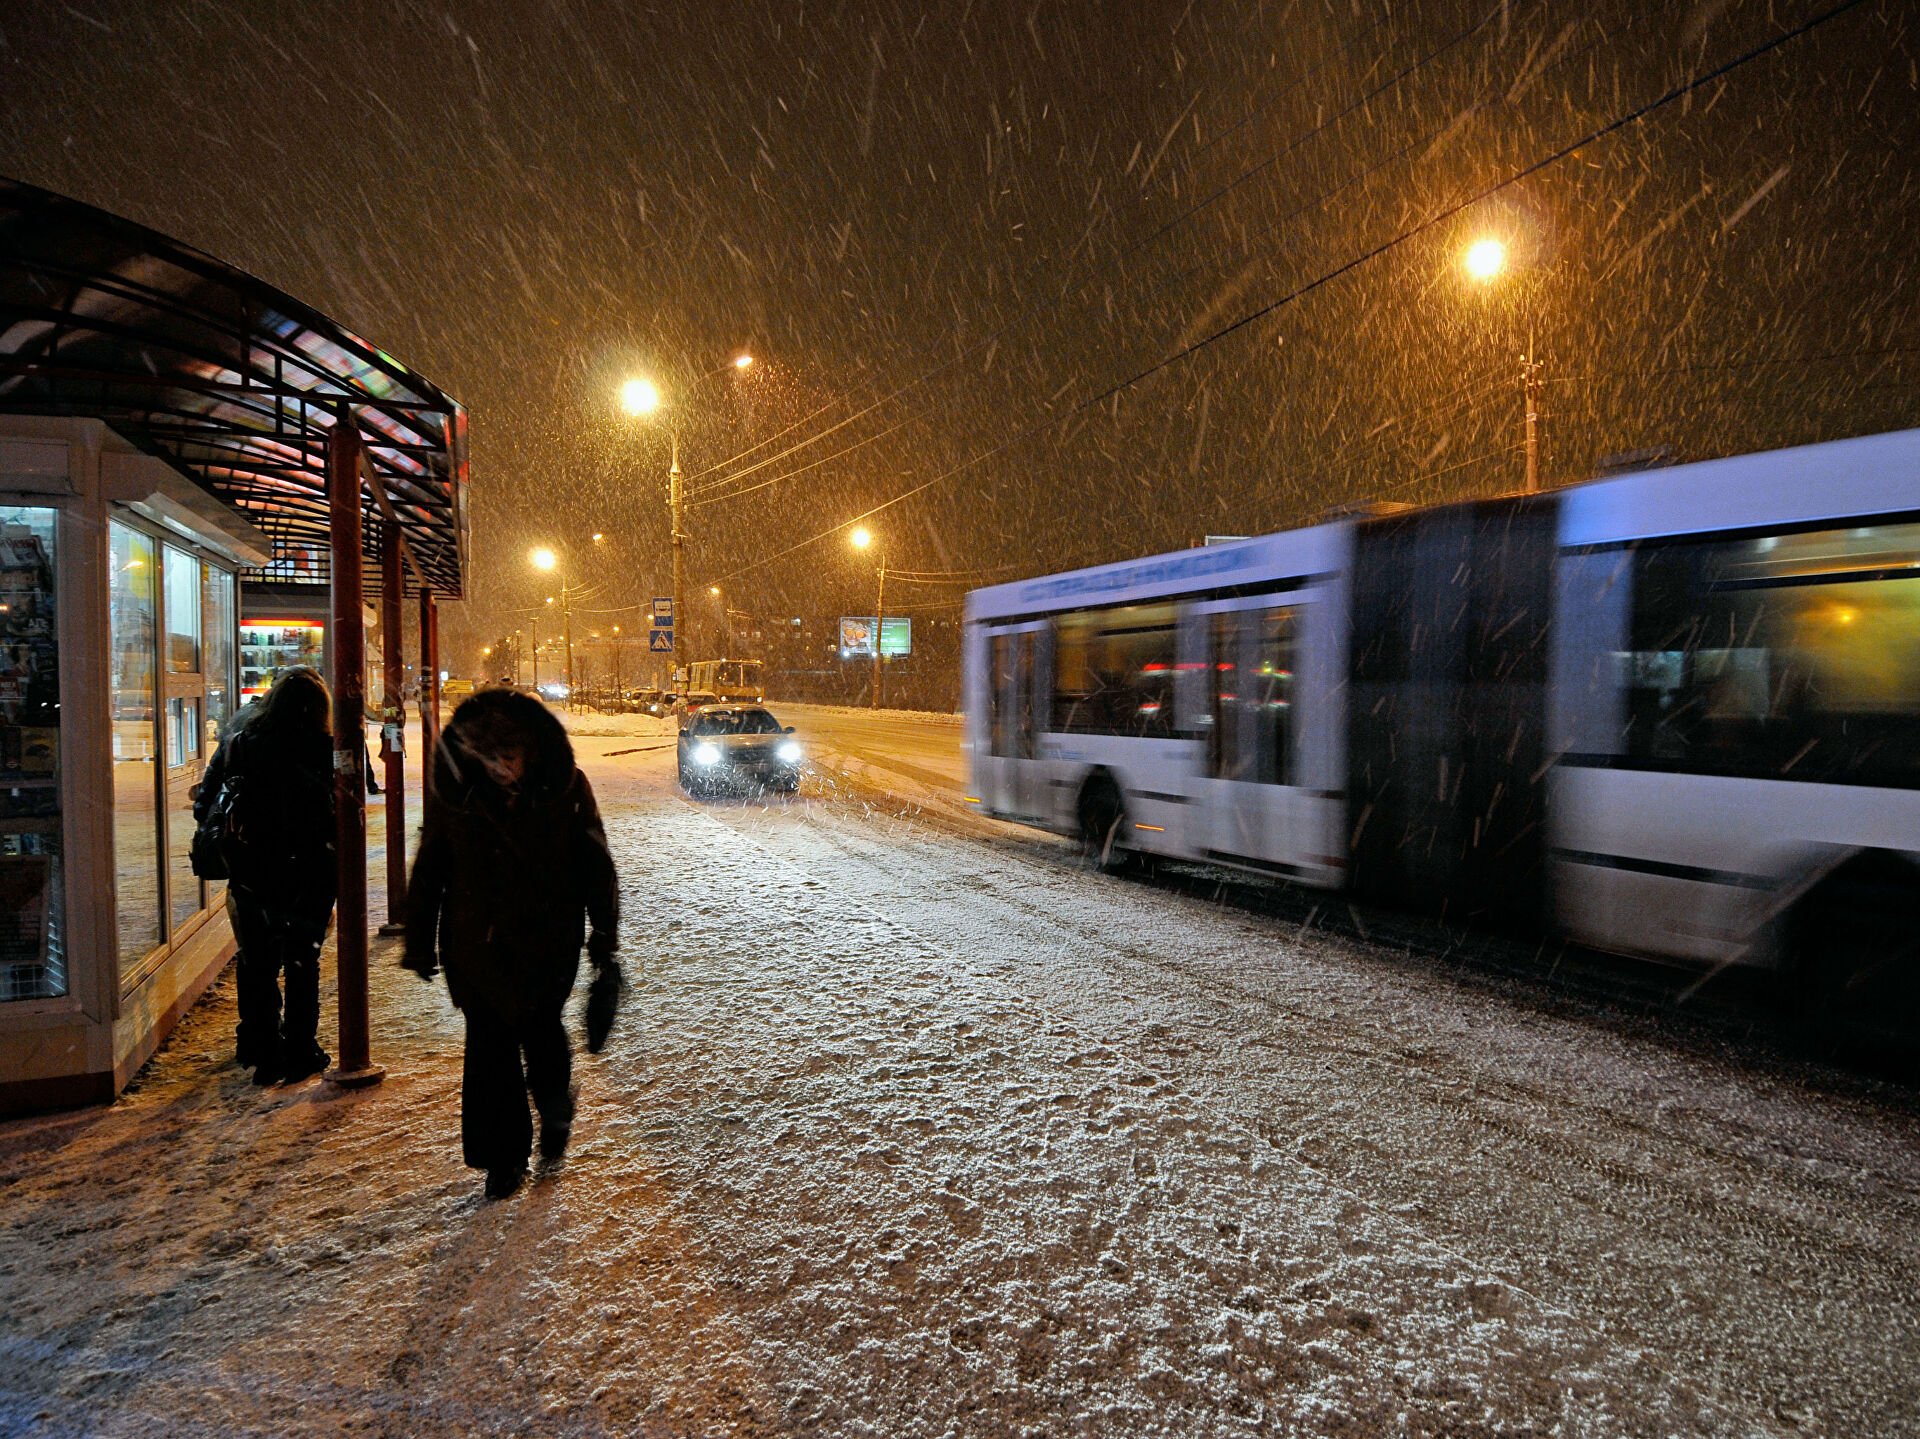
[[736, 746]]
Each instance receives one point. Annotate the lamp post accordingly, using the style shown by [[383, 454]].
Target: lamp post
[[1486, 260], [861, 539], [640, 397]]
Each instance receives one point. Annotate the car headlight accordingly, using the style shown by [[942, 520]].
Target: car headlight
[[706, 754], [788, 753]]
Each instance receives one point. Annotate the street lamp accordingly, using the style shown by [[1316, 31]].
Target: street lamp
[[863, 538], [639, 397], [546, 561], [1486, 260]]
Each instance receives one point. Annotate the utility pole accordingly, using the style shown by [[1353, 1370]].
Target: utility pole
[[675, 503], [1531, 382], [566, 630], [879, 628]]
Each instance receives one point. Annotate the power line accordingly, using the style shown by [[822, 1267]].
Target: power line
[[1072, 292], [1632, 117]]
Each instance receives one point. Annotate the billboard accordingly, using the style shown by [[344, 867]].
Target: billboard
[[856, 636]]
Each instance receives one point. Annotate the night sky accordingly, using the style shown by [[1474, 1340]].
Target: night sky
[[953, 232]]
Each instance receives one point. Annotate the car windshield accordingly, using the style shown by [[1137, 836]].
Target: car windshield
[[723, 722]]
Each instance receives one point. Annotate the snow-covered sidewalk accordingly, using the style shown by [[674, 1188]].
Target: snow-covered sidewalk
[[891, 1140]]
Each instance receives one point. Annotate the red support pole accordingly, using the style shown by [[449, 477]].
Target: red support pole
[[344, 458], [393, 722], [429, 683]]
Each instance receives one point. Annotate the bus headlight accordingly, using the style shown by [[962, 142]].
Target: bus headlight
[[706, 754], [788, 753]]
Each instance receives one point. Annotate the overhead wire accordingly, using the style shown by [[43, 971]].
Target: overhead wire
[[1132, 251], [1447, 212], [1416, 143]]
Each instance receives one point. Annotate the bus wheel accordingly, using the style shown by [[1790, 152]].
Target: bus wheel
[[1854, 955], [1103, 824]]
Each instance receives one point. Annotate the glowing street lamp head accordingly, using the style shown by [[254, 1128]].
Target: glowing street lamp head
[[714, 590], [742, 360], [861, 537], [1485, 259], [544, 558], [639, 397]]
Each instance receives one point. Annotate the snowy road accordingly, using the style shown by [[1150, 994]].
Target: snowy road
[[913, 1127]]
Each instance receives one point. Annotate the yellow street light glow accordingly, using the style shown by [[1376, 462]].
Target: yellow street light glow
[[544, 558], [713, 590], [597, 537], [639, 397], [861, 537], [742, 361], [1485, 259]]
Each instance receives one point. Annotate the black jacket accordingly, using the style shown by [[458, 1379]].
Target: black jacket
[[504, 882], [285, 863]]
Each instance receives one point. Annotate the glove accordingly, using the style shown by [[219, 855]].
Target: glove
[[421, 963], [600, 951], [603, 998]]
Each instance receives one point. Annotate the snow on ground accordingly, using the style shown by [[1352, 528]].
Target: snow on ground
[[904, 1132]]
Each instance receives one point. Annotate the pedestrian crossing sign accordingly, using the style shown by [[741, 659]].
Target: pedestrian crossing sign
[[660, 642]]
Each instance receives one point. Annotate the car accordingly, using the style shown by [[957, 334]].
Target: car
[[644, 702], [737, 746]]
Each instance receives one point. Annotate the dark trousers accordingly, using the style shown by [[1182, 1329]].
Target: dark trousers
[[496, 1130], [272, 944]]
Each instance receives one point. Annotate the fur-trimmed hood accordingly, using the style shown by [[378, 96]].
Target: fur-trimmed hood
[[486, 721]]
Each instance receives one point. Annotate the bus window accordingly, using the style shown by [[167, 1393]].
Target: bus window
[[1271, 693], [1791, 656], [1252, 664], [1113, 671], [999, 692]]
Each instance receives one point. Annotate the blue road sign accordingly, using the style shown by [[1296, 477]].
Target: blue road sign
[[663, 610], [660, 642]]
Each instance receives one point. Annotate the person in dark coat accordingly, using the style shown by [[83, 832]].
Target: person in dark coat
[[513, 861], [280, 890]]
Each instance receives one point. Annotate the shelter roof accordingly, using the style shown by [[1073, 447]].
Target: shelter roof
[[232, 381]]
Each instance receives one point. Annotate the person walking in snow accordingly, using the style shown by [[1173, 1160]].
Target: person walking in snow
[[513, 861], [278, 759]]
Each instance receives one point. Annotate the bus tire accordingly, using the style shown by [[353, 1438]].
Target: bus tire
[[1103, 824], [1853, 948]]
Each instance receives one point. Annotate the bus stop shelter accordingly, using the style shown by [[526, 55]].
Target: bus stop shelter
[[174, 436]]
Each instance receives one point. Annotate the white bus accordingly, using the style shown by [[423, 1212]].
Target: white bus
[[1674, 713], [735, 680]]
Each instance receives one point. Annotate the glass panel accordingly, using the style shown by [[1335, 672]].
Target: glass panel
[[217, 642], [33, 951], [136, 819], [218, 656], [183, 612], [183, 773], [1792, 656]]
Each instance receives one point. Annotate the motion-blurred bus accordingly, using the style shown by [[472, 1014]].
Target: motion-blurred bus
[[1673, 713]]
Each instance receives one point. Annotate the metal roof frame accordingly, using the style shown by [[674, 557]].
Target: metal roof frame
[[230, 380]]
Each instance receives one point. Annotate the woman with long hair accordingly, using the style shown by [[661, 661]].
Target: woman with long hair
[[278, 758]]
